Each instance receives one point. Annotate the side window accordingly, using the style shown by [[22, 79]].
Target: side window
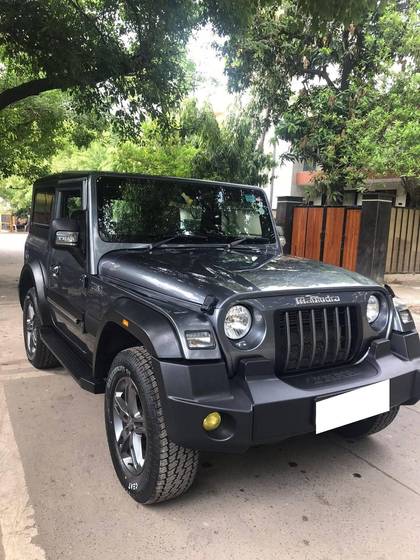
[[71, 203], [43, 205], [70, 206]]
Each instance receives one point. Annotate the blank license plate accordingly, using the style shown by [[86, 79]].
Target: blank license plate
[[352, 406]]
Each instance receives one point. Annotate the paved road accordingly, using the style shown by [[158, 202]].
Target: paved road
[[316, 498]]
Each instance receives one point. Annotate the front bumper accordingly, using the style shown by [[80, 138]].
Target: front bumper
[[258, 407]]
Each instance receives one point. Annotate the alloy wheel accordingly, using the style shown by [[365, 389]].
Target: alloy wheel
[[31, 329], [129, 425]]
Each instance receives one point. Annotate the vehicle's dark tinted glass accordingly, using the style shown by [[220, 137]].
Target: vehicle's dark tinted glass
[[43, 204], [143, 210], [71, 203]]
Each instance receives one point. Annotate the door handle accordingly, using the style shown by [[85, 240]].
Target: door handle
[[55, 270]]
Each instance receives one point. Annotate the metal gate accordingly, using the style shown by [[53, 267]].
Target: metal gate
[[326, 233], [6, 222], [403, 254]]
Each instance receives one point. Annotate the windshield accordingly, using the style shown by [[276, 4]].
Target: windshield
[[148, 210]]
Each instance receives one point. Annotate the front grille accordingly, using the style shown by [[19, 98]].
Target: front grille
[[314, 338]]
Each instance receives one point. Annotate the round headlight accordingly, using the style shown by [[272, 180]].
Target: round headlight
[[237, 322], [373, 308]]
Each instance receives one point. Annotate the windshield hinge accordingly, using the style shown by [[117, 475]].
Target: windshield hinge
[[209, 304]]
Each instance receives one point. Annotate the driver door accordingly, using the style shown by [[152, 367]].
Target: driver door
[[67, 269]]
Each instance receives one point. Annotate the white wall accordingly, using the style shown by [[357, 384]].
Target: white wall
[[282, 183]]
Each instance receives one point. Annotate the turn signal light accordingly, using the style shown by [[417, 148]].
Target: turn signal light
[[199, 339], [212, 421]]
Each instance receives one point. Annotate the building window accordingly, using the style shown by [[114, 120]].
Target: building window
[[350, 198]]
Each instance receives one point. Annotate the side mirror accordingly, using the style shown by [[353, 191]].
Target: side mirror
[[64, 232]]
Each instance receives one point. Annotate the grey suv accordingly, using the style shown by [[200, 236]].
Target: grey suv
[[173, 297]]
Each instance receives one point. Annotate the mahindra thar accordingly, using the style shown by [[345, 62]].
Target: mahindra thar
[[172, 296]]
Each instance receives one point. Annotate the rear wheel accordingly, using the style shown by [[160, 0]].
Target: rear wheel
[[149, 466], [36, 351], [369, 426]]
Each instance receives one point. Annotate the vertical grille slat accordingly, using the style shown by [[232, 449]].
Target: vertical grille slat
[[325, 326], [286, 365], [301, 339], [313, 333], [315, 337], [348, 335], [337, 334]]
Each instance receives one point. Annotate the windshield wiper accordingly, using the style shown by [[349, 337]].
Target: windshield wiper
[[242, 239], [174, 237]]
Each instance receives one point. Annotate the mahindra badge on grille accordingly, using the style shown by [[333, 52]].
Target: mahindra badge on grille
[[305, 300]]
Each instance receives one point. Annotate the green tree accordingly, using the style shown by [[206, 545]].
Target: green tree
[[335, 65], [29, 132], [32, 130], [387, 140], [17, 192], [154, 151], [231, 151], [197, 146], [30, 135], [128, 55]]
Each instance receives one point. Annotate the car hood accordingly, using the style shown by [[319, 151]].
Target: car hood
[[192, 274]]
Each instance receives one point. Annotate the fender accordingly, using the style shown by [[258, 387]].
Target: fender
[[32, 274], [152, 329]]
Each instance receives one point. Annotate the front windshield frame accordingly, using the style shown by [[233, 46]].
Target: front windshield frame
[[267, 233]]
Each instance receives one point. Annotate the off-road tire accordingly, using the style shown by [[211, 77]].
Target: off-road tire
[[169, 469], [369, 426], [39, 355]]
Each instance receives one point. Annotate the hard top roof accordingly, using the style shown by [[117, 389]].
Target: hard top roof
[[66, 175]]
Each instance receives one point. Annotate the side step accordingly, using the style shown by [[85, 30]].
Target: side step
[[71, 360]]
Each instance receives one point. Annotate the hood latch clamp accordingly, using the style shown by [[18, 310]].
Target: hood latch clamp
[[209, 305]]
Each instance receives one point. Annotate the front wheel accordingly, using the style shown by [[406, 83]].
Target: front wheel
[[150, 467]]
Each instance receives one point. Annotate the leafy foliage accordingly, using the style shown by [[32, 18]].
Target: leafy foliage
[[30, 135], [124, 62], [347, 12], [32, 130], [17, 192], [337, 67], [229, 152], [387, 140], [127, 56], [155, 153], [198, 146]]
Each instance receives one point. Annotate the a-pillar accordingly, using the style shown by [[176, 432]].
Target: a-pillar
[[284, 217]]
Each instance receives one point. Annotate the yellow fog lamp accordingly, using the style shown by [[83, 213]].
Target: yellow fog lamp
[[212, 421]]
